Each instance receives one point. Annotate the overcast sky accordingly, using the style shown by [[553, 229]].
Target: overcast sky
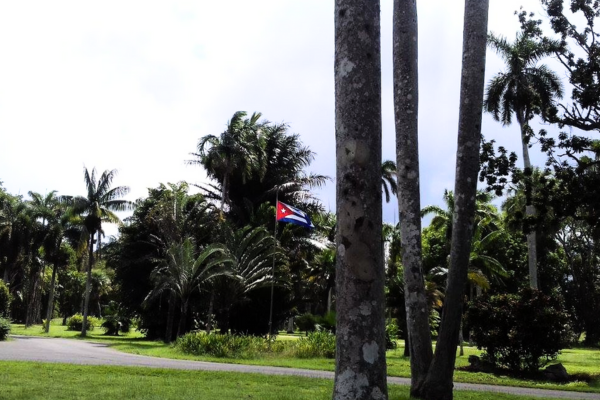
[[133, 85]]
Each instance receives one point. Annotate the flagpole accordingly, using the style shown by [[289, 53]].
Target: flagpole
[[273, 270]]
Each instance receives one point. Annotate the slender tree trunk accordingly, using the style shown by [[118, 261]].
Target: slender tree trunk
[[99, 245], [88, 286], [211, 305], [50, 307], [438, 385], [170, 318], [406, 107], [183, 318], [224, 192], [360, 356], [530, 210]]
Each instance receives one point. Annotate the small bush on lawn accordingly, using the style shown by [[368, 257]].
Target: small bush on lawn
[[520, 332], [216, 345], [306, 322], [326, 322], [316, 344], [116, 319], [4, 328], [75, 323], [5, 300]]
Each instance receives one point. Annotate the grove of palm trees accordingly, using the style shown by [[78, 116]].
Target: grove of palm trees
[[500, 278]]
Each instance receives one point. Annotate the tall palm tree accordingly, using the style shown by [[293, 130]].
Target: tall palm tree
[[182, 273], [97, 207], [388, 179], [525, 89], [235, 149]]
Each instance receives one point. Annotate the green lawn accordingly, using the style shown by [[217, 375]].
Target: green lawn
[[32, 381], [576, 361]]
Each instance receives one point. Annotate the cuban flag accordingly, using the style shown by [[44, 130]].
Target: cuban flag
[[287, 213]]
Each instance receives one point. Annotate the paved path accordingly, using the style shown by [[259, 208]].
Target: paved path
[[27, 348]]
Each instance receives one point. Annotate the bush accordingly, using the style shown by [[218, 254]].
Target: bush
[[306, 322], [4, 328], [230, 346], [316, 344], [326, 322], [391, 334], [520, 332], [5, 300], [116, 319], [75, 323]]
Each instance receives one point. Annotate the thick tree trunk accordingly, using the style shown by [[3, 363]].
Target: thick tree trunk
[[170, 318], [50, 307], [360, 356], [88, 286], [438, 385], [406, 107], [530, 210]]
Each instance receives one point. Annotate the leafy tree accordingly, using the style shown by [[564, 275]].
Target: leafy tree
[[183, 272], [525, 89], [164, 218], [254, 252], [96, 207], [579, 55]]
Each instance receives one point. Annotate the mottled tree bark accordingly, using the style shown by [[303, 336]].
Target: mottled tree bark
[[360, 368], [438, 384], [406, 108]]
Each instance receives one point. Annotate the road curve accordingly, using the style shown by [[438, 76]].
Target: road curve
[[69, 351]]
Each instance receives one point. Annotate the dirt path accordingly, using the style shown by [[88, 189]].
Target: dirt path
[[27, 348]]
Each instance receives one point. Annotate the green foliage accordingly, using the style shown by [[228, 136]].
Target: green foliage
[[520, 332], [316, 344], [116, 320], [5, 300], [391, 334], [326, 322], [75, 323], [306, 322], [226, 346], [4, 328]]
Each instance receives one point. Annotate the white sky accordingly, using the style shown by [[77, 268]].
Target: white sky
[[133, 85]]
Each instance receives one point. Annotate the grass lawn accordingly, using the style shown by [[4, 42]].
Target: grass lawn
[[576, 361], [31, 381]]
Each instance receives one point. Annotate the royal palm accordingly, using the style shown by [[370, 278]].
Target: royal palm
[[525, 89], [97, 207]]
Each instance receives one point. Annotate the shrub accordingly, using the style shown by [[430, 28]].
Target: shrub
[[116, 319], [306, 322], [316, 344], [75, 323], [4, 328], [326, 322], [391, 334], [230, 346], [520, 332], [5, 300]]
